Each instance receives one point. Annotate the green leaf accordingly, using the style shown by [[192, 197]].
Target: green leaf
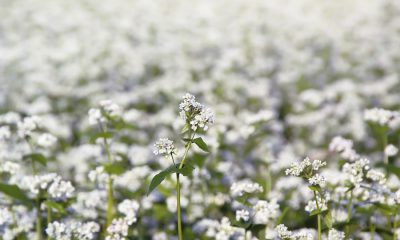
[[15, 192], [315, 212], [56, 206], [185, 129], [36, 157], [104, 135], [201, 144], [328, 219], [186, 170], [114, 168], [385, 209]]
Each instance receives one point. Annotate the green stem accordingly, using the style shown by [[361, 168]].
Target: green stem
[[385, 142], [318, 216], [110, 195], [110, 202], [349, 203], [395, 226], [49, 219], [178, 206], [371, 228], [38, 219], [178, 187]]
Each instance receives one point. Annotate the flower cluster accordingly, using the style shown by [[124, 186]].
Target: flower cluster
[[195, 113], [165, 147], [73, 230], [381, 116]]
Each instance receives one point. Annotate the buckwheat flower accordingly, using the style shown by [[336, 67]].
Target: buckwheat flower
[[339, 215], [46, 140], [304, 168], [129, 208], [380, 116], [344, 147], [118, 229], [98, 175], [335, 235], [265, 211], [95, 116], [111, 108], [312, 205], [59, 231], [355, 171], [6, 216], [317, 180], [303, 234], [283, 232], [376, 176], [60, 189], [5, 133], [397, 196], [27, 126], [242, 214], [244, 186], [165, 147], [10, 167], [391, 150], [202, 120], [196, 113], [87, 231]]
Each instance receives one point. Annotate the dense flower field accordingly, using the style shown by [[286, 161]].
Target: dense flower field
[[201, 119]]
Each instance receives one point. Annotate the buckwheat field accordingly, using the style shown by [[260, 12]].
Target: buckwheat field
[[200, 119]]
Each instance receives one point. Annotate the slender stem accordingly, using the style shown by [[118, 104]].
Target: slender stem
[[189, 144], [371, 228], [49, 219], [178, 206], [38, 219], [395, 226], [38, 212], [349, 203], [110, 195], [318, 216], [110, 202], [178, 187], [385, 142]]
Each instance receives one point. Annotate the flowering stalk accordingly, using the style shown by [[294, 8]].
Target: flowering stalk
[[318, 215], [38, 203], [350, 201], [110, 195], [178, 188]]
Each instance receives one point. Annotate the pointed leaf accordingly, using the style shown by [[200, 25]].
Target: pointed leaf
[[186, 170], [37, 157], [201, 144], [56, 206], [105, 135], [15, 192]]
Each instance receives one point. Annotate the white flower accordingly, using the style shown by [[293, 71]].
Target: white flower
[[111, 108], [283, 232], [265, 211], [118, 229], [317, 180], [199, 116], [95, 116], [46, 140], [244, 186], [335, 235], [242, 214], [376, 176], [129, 208], [391, 150], [165, 147], [27, 126], [5, 132], [60, 189], [380, 116], [298, 168]]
